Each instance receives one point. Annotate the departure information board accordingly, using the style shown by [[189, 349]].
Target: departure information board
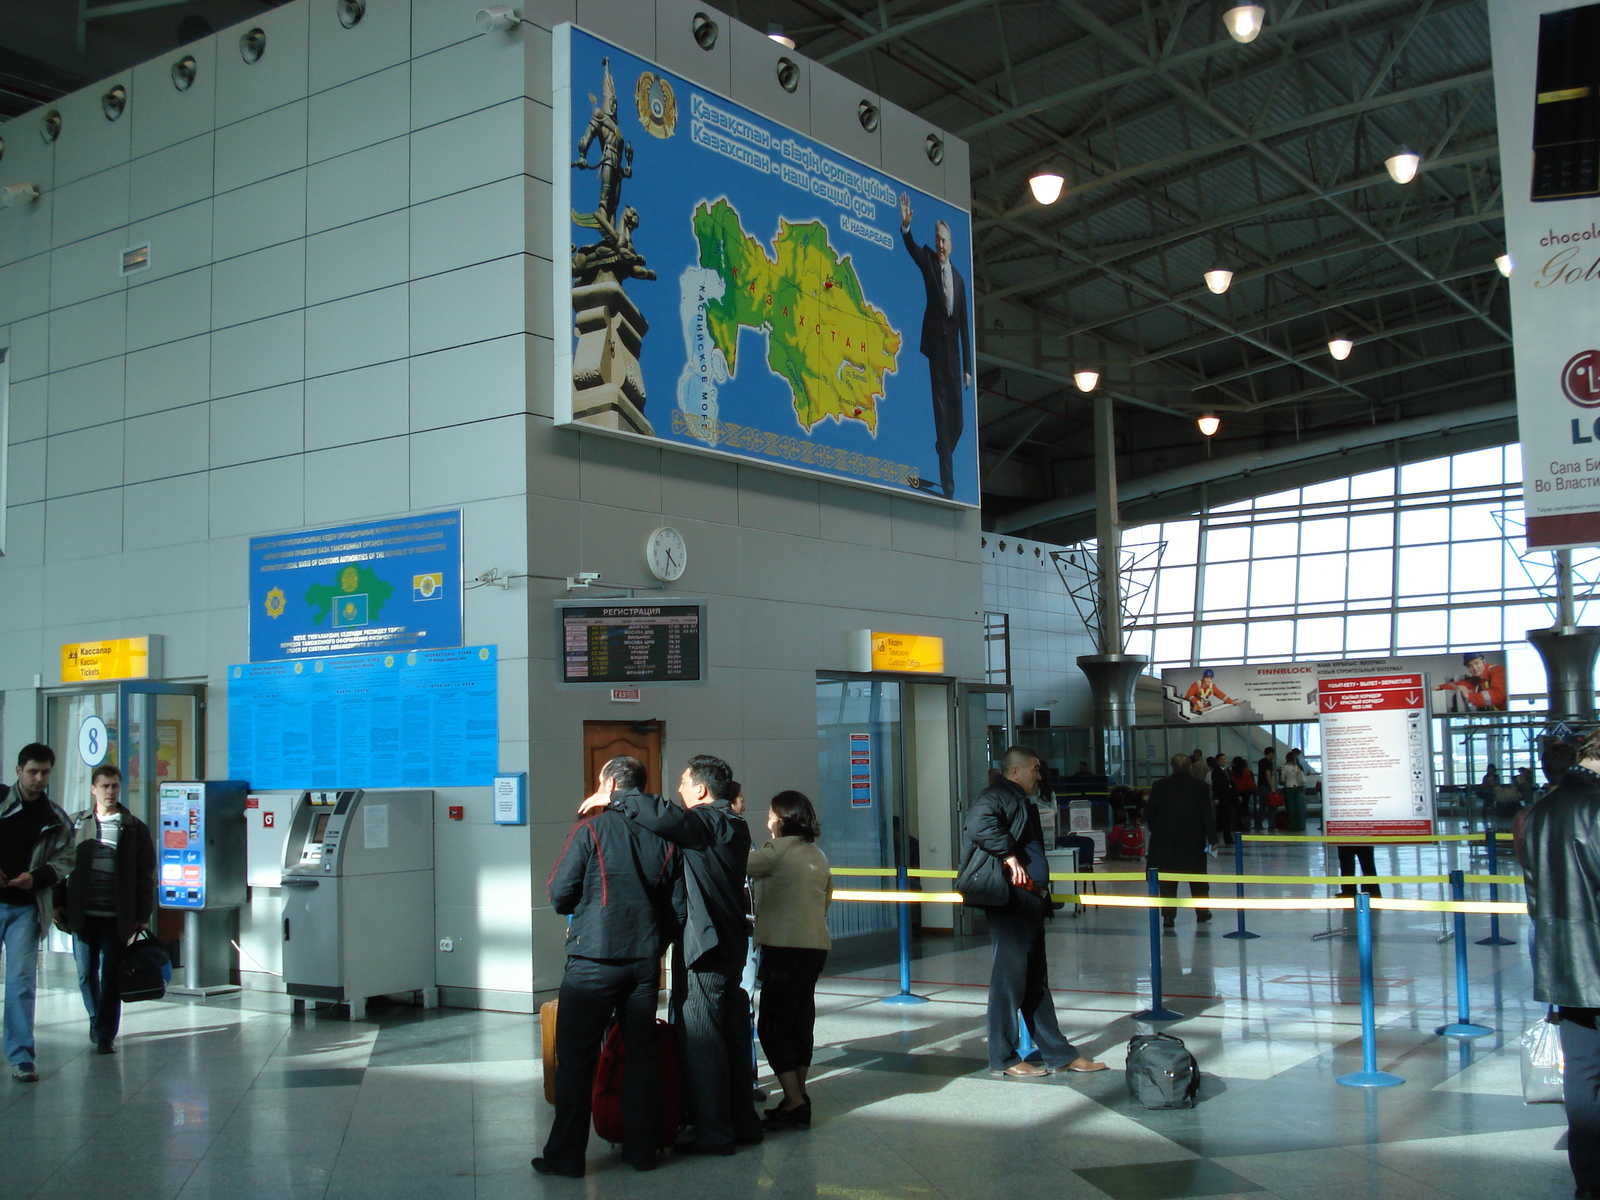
[[631, 643]]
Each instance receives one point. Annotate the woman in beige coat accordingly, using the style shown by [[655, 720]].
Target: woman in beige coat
[[792, 887]]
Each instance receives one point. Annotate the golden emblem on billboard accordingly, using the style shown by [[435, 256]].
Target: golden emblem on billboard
[[275, 602], [658, 107]]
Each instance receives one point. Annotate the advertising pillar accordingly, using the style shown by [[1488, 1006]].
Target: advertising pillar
[[1377, 756]]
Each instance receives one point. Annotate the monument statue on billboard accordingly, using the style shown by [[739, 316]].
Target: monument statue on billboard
[[608, 386]]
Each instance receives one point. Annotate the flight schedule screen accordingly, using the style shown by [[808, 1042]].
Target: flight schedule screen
[[631, 643]]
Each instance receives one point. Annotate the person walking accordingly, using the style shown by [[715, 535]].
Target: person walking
[[1004, 872], [717, 1076], [793, 888], [1244, 786], [1293, 775], [1224, 800], [109, 896], [623, 888], [1181, 825], [1266, 776], [1561, 857], [35, 854]]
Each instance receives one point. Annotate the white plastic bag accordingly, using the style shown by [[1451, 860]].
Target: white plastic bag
[[1542, 1064]]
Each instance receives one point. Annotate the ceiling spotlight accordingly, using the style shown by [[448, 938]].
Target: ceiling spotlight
[[1340, 347], [1209, 424], [1046, 184], [1087, 381], [1503, 262], [1244, 22], [776, 33], [1219, 279], [1403, 165]]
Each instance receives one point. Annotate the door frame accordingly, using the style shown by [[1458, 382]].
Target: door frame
[[125, 690]]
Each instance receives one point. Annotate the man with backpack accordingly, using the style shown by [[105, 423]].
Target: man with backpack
[[35, 853], [623, 888]]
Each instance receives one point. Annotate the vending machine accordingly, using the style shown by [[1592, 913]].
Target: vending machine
[[358, 899], [200, 853]]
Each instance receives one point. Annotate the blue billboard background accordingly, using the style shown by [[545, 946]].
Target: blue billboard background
[[785, 314], [393, 584]]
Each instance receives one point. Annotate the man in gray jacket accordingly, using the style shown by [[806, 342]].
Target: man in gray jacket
[[1004, 872], [1561, 850], [35, 854]]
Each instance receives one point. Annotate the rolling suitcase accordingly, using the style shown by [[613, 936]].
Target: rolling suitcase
[[547, 1039], [607, 1102]]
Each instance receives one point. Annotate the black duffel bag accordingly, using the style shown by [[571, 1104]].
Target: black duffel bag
[[1161, 1073], [146, 970]]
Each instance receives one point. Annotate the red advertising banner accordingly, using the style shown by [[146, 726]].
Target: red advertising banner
[[1377, 756]]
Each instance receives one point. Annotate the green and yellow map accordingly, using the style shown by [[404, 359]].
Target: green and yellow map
[[356, 582], [823, 337]]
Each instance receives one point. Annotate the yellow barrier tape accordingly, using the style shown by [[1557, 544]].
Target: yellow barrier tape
[[901, 897], [1462, 906], [1330, 880], [1518, 879], [920, 873], [880, 871], [1287, 903], [1374, 840]]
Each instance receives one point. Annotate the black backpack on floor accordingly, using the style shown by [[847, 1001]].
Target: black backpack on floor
[[1161, 1073]]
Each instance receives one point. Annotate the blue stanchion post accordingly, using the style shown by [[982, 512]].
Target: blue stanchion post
[[1369, 1076], [905, 995], [1155, 1012], [1494, 938], [1238, 889], [1463, 1026]]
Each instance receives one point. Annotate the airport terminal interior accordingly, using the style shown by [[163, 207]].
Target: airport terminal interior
[[408, 406]]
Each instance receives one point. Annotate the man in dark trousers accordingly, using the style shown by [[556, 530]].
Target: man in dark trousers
[[622, 886], [1182, 823], [946, 338], [1266, 776], [35, 854], [1224, 798], [1561, 861], [718, 1081], [1005, 873]]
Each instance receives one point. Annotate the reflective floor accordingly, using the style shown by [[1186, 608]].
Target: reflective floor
[[235, 1097]]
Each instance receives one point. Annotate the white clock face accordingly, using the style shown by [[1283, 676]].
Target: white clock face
[[666, 554]]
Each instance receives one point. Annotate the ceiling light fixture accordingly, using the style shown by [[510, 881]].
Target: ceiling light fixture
[[1087, 381], [1209, 424], [776, 33], [1504, 264], [1244, 22], [1046, 184], [1340, 347], [1403, 165], [1219, 279]]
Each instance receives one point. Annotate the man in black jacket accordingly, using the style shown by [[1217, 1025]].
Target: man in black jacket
[[1561, 850], [946, 340], [718, 1084], [1004, 872], [1182, 823], [622, 886]]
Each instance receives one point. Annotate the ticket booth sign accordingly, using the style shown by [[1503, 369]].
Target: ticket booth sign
[[113, 658]]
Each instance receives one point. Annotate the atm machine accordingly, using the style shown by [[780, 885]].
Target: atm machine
[[358, 898]]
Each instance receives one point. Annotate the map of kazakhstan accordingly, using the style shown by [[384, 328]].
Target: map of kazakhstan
[[359, 595], [823, 338]]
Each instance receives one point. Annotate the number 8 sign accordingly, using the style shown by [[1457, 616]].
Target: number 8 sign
[[92, 741]]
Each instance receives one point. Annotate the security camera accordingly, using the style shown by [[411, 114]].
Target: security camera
[[498, 17], [14, 192]]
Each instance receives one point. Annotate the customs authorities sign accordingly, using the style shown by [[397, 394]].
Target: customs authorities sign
[[1548, 98], [1377, 756]]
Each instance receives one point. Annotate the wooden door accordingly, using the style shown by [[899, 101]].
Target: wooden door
[[604, 740]]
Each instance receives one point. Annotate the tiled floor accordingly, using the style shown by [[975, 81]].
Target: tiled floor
[[235, 1098]]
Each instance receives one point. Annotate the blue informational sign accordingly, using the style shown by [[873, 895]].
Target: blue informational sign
[[393, 584], [425, 719], [742, 289]]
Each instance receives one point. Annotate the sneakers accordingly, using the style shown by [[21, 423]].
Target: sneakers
[[24, 1073]]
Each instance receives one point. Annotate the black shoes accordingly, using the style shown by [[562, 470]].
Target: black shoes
[[780, 1117], [545, 1167], [105, 1048]]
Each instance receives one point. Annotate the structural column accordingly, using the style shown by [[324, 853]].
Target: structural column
[[1569, 651]]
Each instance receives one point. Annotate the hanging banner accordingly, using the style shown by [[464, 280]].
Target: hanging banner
[[1473, 681], [1547, 93], [1377, 756], [733, 286]]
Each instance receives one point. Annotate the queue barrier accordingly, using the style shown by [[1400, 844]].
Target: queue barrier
[[1369, 1076]]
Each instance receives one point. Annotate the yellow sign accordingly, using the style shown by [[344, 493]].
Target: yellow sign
[[907, 652], [115, 658]]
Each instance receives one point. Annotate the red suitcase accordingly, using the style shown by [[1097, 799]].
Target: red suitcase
[[607, 1103]]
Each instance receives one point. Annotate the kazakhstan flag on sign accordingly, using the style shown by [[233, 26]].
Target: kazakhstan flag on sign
[[349, 610]]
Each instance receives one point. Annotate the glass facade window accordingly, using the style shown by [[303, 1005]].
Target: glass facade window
[[1423, 559]]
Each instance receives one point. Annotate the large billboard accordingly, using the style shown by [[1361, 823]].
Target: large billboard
[[741, 289], [1547, 93], [1473, 681], [1377, 757]]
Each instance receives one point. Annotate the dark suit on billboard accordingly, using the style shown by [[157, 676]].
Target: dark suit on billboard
[[947, 345]]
